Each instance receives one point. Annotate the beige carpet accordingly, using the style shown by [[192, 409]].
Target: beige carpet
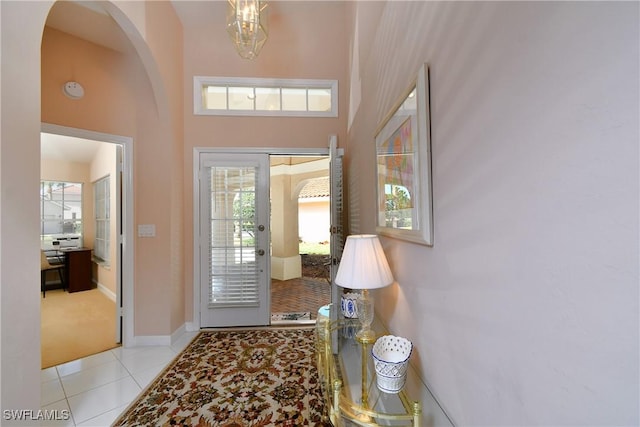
[[75, 325]]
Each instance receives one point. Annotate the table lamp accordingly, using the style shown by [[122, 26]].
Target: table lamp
[[364, 266]]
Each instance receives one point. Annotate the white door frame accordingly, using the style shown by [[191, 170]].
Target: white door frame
[[196, 204], [126, 295]]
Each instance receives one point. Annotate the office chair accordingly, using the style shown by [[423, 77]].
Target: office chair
[[44, 267]]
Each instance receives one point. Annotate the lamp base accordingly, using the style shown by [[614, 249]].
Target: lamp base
[[364, 306], [366, 336]]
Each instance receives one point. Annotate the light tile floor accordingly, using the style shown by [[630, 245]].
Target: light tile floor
[[96, 389]]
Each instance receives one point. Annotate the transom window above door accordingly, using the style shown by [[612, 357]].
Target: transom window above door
[[264, 97]]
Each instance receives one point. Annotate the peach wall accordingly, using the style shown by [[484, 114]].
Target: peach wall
[[159, 297], [108, 104], [152, 206], [306, 40], [164, 36]]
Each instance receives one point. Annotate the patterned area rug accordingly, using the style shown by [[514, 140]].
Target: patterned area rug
[[236, 378]]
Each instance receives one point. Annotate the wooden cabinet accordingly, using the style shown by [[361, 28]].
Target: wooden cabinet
[[78, 269]]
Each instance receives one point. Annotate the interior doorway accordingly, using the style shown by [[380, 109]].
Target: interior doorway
[[100, 165]]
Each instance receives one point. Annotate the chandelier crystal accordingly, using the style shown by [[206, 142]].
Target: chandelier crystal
[[247, 26]]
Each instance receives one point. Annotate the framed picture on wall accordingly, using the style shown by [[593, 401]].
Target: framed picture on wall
[[403, 167]]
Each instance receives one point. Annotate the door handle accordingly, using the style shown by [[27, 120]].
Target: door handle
[[261, 252], [261, 227]]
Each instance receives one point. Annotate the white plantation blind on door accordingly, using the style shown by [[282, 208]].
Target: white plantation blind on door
[[337, 237], [233, 273]]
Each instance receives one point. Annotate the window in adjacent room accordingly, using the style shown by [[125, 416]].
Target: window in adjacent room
[[60, 214], [101, 195], [265, 97]]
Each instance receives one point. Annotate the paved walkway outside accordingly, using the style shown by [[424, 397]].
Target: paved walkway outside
[[302, 294]]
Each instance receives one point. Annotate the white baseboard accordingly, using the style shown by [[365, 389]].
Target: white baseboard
[[158, 340], [108, 292], [191, 327], [175, 336], [151, 340]]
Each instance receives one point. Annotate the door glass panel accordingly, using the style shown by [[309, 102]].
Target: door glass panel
[[233, 273]]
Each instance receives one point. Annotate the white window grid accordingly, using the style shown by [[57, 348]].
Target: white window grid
[[66, 218], [102, 209], [257, 89]]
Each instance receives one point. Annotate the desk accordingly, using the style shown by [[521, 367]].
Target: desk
[[77, 263]]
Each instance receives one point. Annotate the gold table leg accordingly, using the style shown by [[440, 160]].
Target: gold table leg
[[365, 383], [365, 388]]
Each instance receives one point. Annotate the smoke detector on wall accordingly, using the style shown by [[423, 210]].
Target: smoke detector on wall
[[73, 90]]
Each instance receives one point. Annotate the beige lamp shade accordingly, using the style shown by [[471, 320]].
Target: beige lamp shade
[[363, 264]]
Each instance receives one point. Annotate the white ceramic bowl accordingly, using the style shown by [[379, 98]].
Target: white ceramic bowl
[[391, 358], [391, 385]]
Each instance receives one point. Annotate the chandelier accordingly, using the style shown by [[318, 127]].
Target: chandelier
[[247, 26]]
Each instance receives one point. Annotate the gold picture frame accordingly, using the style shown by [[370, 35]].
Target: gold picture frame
[[403, 167]]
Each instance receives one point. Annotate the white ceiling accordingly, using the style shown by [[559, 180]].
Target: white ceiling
[[68, 148], [87, 20]]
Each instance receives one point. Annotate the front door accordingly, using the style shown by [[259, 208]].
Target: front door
[[234, 240]]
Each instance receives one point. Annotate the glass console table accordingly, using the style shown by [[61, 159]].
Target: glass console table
[[348, 378]]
